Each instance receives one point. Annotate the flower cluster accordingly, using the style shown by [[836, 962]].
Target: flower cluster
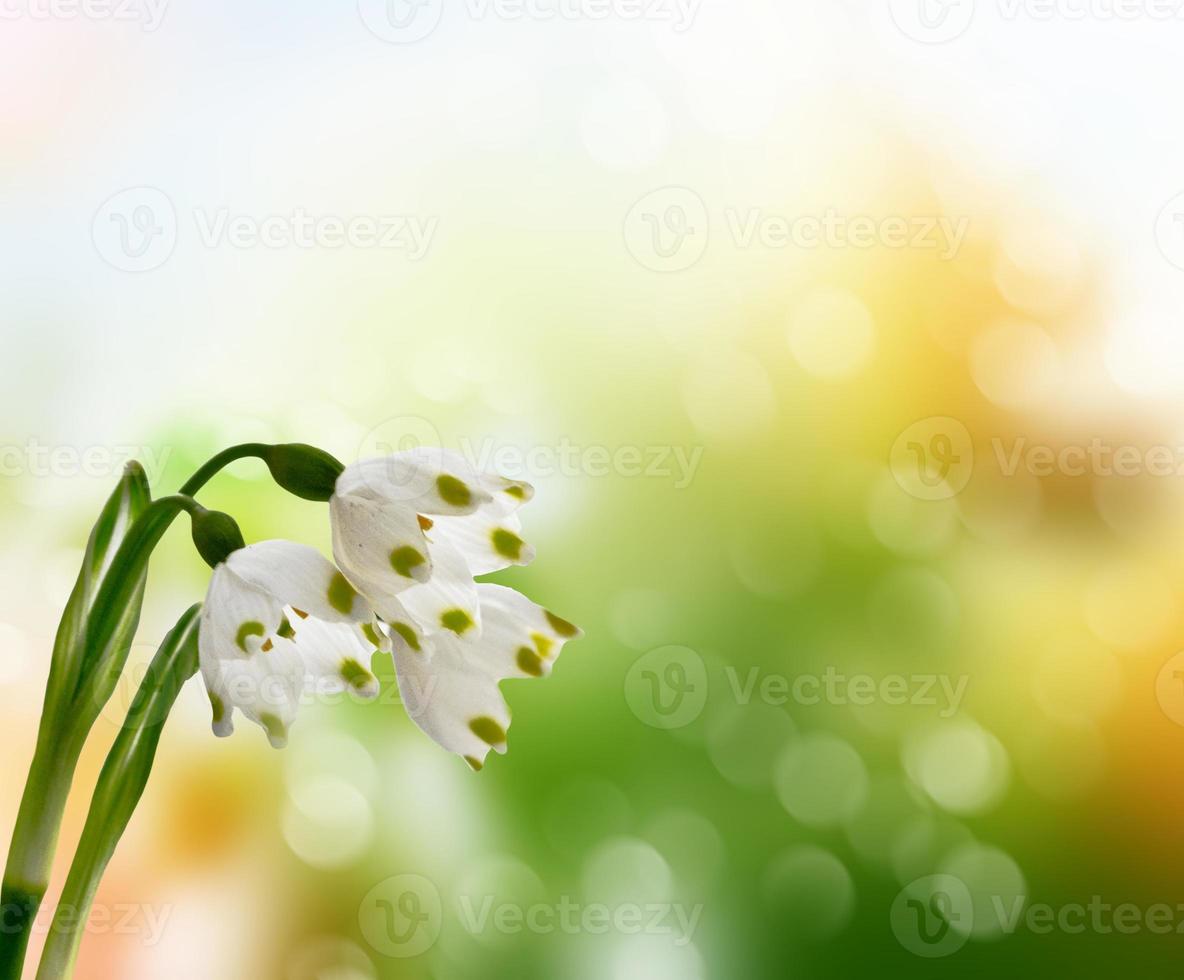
[[411, 533]]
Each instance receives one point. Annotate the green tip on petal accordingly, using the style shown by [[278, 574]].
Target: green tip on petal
[[372, 635], [456, 620], [508, 544], [530, 662], [562, 626], [474, 763], [219, 707], [250, 628], [286, 630], [453, 491], [355, 675], [405, 559], [408, 635], [517, 491], [488, 730], [277, 731]]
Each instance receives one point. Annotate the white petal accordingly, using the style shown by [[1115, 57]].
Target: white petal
[[300, 576], [338, 656], [458, 707], [243, 663], [404, 632], [425, 480], [380, 547], [266, 687], [237, 617], [518, 637], [489, 540], [506, 495], [453, 696], [448, 600]]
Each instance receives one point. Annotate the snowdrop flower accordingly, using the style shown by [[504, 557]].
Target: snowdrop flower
[[277, 616], [450, 687], [411, 530]]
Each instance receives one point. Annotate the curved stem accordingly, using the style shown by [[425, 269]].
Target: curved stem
[[216, 463]]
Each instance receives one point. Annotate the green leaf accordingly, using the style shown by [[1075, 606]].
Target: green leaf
[[120, 787], [129, 500]]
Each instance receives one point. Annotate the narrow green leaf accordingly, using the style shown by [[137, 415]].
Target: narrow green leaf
[[129, 500], [120, 787]]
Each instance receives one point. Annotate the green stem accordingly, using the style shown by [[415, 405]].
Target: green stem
[[33, 843], [120, 787], [224, 458]]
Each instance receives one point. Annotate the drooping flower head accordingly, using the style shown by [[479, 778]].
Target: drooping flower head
[[411, 532], [425, 517], [277, 616]]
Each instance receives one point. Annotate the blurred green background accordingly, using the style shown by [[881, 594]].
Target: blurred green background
[[838, 641]]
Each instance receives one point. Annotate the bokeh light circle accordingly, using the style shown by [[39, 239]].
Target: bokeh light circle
[[821, 780]]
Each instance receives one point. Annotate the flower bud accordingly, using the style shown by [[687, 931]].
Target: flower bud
[[216, 535], [305, 471]]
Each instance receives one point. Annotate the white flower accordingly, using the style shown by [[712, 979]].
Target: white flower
[[411, 530], [450, 688], [277, 616]]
